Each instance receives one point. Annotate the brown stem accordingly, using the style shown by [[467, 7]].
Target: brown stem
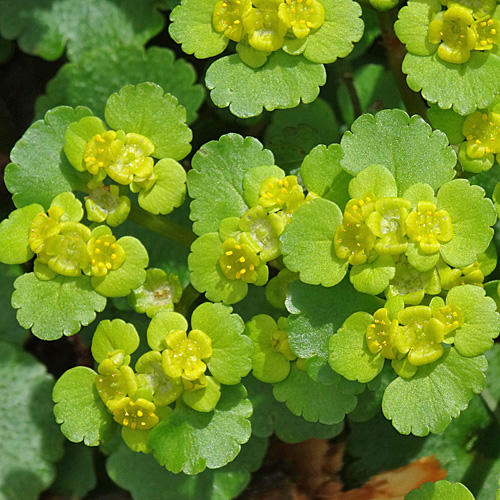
[[347, 77], [396, 51]]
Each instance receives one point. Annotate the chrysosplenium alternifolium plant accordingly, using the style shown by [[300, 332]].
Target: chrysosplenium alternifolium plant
[[281, 46], [374, 251]]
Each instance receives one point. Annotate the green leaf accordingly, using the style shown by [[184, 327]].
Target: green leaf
[[313, 319], [373, 277], [57, 307], [79, 408], [268, 364], [129, 276], [112, 335], [373, 84], [161, 325], [231, 349], [412, 28], [168, 191], [481, 320], [31, 442], [323, 175], [147, 110], [184, 441], [269, 415], [191, 26], [313, 401], [146, 479], [440, 490], [283, 82], [44, 139], [14, 233], [471, 215], [448, 122], [466, 86], [437, 393], [318, 114], [111, 69], [406, 146], [375, 178], [45, 30], [222, 165], [342, 27], [349, 353], [307, 243], [206, 274], [76, 474]]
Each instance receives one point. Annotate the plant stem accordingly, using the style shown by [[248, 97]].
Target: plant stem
[[345, 70], [396, 51], [491, 404], [189, 296], [163, 226]]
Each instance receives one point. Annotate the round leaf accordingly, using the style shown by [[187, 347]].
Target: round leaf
[[282, 82], [231, 350], [57, 307], [437, 393], [307, 243], [184, 441], [79, 408], [112, 335], [406, 146], [147, 110]]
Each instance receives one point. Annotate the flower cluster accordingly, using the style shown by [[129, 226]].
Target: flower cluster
[[272, 353], [255, 240], [244, 246], [176, 368], [125, 158], [69, 247], [385, 227], [263, 24], [414, 338], [460, 29]]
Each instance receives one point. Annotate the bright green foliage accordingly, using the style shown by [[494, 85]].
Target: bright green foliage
[[314, 401], [307, 248], [113, 335], [114, 68], [146, 110], [46, 30], [311, 324], [272, 354], [14, 244], [79, 408], [282, 82], [407, 147], [428, 401], [441, 490], [261, 74], [44, 139], [57, 307], [184, 440], [449, 68], [27, 426], [231, 350], [223, 165]]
